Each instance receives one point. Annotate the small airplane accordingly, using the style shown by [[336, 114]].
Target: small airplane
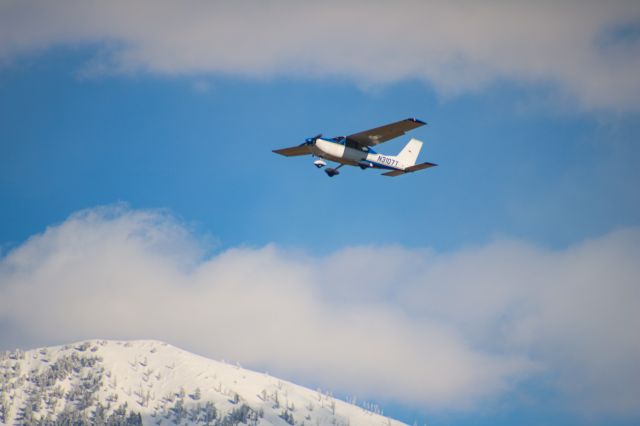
[[355, 150]]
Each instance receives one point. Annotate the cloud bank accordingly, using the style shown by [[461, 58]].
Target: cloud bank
[[588, 51], [443, 330]]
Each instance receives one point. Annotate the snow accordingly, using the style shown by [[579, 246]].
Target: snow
[[162, 383]]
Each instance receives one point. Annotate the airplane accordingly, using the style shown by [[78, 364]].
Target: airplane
[[355, 150]]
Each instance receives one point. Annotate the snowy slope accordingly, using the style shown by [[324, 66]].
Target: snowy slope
[[150, 382]]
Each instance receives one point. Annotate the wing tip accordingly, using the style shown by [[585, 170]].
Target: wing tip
[[417, 120]]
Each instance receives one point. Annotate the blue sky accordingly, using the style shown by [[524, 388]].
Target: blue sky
[[535, 134], [158, 143]]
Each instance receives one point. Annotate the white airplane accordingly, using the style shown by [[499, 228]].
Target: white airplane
[[355, 150]]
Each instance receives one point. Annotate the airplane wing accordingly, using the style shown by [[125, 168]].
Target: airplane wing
[[383, 133], [409, 169], [293, 151]]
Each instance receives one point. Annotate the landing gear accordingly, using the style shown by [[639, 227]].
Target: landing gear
[[331, 172]]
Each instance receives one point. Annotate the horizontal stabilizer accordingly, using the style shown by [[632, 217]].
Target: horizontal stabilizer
[[293, 151], [409, 169], [419, 167], [394, 173]]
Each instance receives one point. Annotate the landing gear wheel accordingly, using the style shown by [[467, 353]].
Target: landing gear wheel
[[331, 172]]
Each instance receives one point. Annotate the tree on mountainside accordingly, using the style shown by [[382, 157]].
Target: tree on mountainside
[[134, 419], [287, 416], [4, 408], [179, 411], [98, 417], [209, 413], [196, 395]]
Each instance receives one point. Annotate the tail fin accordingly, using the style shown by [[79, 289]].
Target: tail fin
[[409, 154]]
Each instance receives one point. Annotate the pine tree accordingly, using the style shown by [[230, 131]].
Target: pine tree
[[287, 416], [210, 413], [178, 410], [4, 409], [134, 419], [98, 417]]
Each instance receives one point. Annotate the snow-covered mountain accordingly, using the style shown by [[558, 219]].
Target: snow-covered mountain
[[153, 383]]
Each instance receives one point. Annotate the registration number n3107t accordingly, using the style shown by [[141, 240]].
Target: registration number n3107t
[[387, 161]]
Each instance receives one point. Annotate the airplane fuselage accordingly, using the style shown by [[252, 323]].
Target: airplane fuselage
[[364, 157]]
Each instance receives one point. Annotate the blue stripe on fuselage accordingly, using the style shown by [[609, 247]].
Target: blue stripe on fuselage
[[383, 166]]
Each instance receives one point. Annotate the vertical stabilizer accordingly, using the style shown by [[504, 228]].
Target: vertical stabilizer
[[409, 154]]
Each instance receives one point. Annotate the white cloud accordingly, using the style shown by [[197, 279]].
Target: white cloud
[[588, 50], [444, 330]]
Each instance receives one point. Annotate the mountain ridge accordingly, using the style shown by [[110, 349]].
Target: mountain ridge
[[154, 383]]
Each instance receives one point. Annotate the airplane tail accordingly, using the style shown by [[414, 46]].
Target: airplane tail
[[409, 154]]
